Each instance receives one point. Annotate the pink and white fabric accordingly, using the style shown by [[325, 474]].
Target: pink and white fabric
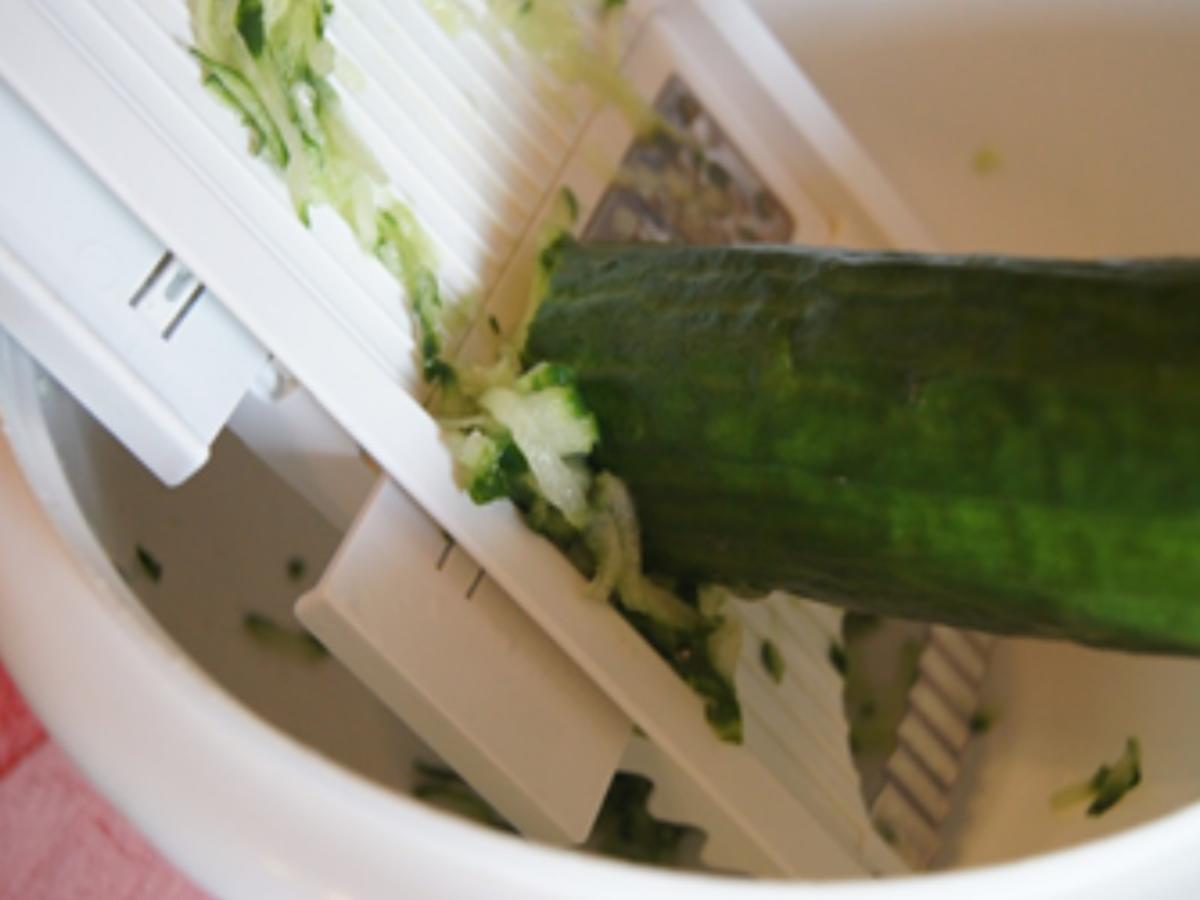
[[59, 839]]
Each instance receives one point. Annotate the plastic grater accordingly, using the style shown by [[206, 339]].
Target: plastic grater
[[473, 140]]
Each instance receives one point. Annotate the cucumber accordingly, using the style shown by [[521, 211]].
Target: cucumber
[[1003, 444]]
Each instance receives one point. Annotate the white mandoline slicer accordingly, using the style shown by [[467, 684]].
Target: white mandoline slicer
[[484, 642]]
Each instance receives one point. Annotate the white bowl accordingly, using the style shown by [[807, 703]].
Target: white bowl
[[1083, 103], [249, 811]]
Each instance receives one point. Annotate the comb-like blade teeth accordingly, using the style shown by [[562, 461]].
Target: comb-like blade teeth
[[921, 774]]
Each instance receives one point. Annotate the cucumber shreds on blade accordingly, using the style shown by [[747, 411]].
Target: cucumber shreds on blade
[[516, 433], [271, 63]]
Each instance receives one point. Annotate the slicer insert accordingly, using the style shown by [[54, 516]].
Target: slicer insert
[[479, 149]]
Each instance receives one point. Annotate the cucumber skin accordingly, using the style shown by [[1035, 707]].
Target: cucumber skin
[[1002, 444]]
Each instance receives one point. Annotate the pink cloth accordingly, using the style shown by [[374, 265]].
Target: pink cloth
[[59, 839]]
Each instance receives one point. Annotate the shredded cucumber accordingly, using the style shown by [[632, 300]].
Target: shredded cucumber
[[554, 432], [568, 38], [494, 464], [636, 592], [271, 63]]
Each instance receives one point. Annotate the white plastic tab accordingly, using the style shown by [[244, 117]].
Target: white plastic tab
[[107, 310], [416, 619]]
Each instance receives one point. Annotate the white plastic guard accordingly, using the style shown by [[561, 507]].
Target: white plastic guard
[[418, 621], [107, 310]]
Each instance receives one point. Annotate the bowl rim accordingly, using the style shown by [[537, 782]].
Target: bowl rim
[[112, 680]]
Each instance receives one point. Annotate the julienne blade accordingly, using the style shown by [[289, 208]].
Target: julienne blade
[[517, 432]]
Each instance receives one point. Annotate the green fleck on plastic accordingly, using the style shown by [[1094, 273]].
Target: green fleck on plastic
[[986, 161], [250, 25], [884, 829], [570, 203], [981, 721], [296, 568], [149, 563], [837, 657], [772, 660], [1107, 785], [296, 643]]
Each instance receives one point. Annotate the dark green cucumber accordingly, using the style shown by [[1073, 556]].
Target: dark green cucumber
[[1004, 444]]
